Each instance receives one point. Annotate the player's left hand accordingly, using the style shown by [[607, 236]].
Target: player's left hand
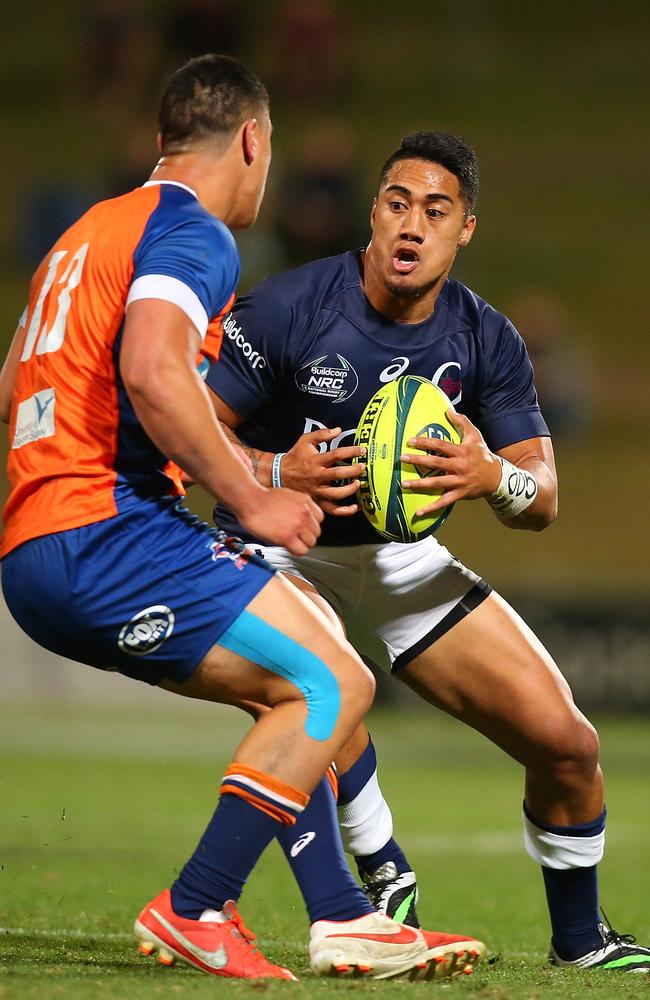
[[462, 471]]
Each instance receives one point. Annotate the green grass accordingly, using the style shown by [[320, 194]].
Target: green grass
[[99, 808]]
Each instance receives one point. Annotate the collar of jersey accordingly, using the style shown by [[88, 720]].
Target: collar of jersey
[[373, 324], [175, 184]]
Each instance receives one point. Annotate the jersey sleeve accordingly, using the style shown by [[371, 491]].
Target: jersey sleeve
[[508, 410], [253, 359], [194, 264]]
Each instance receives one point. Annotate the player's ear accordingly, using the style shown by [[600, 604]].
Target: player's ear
[[159, 142], [468, 231], [373, 212], [249, 140]]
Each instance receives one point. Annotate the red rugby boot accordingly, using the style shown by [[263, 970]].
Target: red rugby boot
[[219, 943]]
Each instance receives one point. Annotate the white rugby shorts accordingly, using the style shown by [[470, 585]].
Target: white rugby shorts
[[394, 599]]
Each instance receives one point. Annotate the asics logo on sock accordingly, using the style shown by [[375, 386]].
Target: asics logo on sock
[[217, 959], [302, 841]]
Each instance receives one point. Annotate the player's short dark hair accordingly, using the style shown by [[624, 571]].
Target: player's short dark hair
[[450, 151], [210, 96]]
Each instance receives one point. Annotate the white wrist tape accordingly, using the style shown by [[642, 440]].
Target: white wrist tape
[[276, 478], [516, 490]]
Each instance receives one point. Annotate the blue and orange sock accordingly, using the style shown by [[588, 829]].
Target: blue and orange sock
[[314, 851], [252, 808]]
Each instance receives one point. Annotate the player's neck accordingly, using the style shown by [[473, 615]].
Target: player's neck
[[212, 187], [392, 306]]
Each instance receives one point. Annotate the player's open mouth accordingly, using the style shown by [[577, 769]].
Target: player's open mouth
[[405, 260]]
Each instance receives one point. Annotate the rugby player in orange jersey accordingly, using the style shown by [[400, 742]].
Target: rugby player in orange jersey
[[103, 564]]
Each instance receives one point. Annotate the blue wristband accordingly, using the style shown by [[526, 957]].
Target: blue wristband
[[276, 479]]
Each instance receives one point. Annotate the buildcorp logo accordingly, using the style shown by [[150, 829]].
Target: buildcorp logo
[[146, 631], [331, 376], [232, 330]]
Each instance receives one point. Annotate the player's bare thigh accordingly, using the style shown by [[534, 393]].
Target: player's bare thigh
[[491, 671], [357, 743], [284, 750], [228, 678], [256, 690]]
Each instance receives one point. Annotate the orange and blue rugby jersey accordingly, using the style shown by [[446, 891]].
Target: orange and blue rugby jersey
[[77, 451]]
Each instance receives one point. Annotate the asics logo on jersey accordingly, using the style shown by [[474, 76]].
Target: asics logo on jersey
[[233, 332], [301, 843], [146, 631], [396, 368], [213, 959], [35, 418], [330, 375]]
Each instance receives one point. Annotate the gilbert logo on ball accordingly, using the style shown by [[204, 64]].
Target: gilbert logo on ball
[[408, 407]]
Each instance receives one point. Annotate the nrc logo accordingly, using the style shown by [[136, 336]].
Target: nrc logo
[[329, 376]]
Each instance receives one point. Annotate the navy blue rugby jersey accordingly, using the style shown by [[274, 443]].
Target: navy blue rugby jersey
[[305, 350]]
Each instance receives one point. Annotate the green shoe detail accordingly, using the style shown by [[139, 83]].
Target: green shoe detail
[[402, 910], [620, 963]]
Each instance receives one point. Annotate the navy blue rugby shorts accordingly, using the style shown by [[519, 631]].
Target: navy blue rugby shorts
[[146, 593]]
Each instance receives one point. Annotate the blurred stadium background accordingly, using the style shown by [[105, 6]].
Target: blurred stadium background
[[554, 99]]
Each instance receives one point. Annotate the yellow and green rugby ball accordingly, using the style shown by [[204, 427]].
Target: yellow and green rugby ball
[[405, 408]]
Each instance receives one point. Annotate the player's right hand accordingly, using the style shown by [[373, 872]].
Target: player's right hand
[[305, 467], [287, 518]]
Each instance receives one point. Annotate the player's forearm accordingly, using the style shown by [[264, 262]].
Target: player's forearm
[[261, 461], [543, 509], [173, 407]]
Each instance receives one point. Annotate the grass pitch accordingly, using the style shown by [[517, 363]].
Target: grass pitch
[[100, 807]]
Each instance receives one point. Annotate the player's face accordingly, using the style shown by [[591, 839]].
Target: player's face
[[418, 222]]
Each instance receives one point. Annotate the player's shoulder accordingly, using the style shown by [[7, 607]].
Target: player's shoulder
[[469, 308], [178, 207], [304, 288]]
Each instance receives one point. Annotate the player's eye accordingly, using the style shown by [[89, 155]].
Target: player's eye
[[396, 206], [435, 213]]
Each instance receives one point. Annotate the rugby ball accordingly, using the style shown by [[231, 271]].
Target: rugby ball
[[405, 408]]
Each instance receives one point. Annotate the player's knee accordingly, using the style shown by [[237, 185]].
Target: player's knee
[[341, 697], [357, 689], [575, 754]]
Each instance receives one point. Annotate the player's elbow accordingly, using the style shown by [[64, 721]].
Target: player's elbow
[[146, 384], [542, 521], [544, 515]]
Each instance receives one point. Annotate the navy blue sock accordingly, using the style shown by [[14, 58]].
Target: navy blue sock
[[315, 853], [391, 851], [351, 783], [572, 895], [228, 851]]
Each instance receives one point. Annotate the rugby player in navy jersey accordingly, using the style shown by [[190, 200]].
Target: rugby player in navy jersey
[[302, 355], [103, 564]]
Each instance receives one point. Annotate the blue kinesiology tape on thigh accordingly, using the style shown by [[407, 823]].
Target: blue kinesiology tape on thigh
[[258, 641]]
